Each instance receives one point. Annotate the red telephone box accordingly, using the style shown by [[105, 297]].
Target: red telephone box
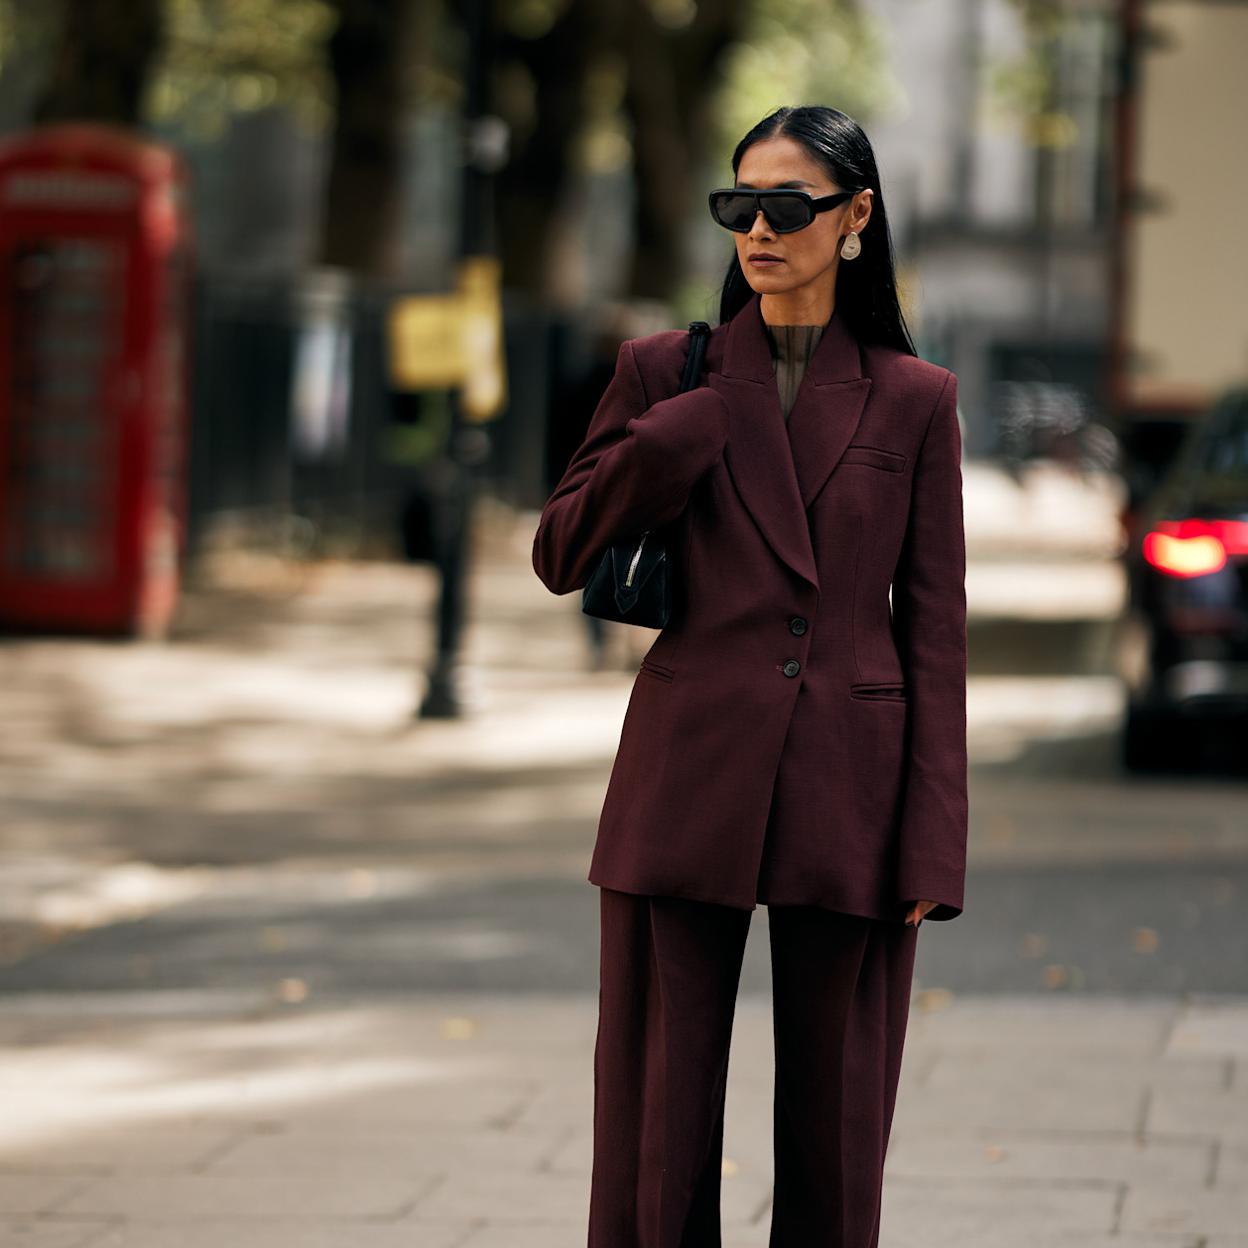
[[94, 246]]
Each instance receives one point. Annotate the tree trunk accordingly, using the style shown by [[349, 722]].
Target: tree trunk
[[671, 82], [102, 62], [367, 56], [533, 184]]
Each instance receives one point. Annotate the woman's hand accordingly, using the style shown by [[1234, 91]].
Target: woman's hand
[[917, 911]]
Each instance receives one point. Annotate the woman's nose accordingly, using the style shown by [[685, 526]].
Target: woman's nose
[[760, 217]]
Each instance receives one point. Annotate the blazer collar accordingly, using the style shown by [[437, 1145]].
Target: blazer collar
[[779, 470]]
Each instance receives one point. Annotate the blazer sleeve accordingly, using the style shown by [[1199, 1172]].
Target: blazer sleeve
[[929, 617], [633, 472]]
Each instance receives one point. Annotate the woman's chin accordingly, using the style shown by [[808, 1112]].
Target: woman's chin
[[765, 283]]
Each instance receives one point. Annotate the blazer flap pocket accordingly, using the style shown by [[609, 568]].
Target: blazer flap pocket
[[885, 689], [875, 456]]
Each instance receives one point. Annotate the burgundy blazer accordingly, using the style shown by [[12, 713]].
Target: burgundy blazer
[[786, 703]]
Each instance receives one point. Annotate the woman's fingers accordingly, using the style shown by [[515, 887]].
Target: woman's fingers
[[914, 916]]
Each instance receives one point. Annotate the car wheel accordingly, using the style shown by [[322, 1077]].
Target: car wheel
[[1149, 743]]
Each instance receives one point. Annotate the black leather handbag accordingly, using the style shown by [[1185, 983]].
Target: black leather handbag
[[633, 581]]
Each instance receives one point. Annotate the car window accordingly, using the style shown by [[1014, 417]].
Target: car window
[[1211, 470]]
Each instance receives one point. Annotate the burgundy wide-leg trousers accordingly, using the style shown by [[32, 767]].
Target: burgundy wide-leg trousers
[[669, 969]]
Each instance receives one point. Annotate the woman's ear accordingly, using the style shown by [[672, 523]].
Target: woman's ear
[[860, 209]]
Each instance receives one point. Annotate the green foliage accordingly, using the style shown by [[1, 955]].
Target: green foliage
[[1030, 94], [228, 56], [529, 19], [804, 52], [23, 25]]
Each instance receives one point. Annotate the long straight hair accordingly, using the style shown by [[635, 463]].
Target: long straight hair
[[866, 287]]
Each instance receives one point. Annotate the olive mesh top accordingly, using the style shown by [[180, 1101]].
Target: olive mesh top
[[791, 349]]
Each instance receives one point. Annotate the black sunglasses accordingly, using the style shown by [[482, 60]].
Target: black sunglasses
[[786, 209]]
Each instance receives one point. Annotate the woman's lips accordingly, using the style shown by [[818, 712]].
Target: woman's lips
[[762, 262]]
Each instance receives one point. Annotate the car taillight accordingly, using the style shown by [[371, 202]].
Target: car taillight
[[1194, 547]]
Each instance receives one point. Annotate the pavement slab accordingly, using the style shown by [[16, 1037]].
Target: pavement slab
[[282, 966], [465, 1119]]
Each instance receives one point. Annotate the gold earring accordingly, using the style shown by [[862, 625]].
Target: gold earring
[[851, 247]]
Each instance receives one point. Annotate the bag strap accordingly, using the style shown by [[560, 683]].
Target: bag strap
[[699, 336]]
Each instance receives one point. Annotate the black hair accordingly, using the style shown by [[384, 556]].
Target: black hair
[[866, 287]]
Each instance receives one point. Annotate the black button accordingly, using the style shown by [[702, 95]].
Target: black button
[[797, 626], [792, 667]]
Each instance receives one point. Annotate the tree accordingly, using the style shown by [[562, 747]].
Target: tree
[[674, 73], [368, 57], [102, 62]]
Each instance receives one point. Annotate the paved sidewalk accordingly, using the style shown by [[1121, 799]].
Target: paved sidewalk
[[217, 851], [461, 1121]]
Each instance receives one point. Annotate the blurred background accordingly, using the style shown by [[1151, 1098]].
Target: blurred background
[[304, 307]]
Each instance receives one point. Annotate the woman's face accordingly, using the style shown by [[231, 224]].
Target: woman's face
[[808, 255]]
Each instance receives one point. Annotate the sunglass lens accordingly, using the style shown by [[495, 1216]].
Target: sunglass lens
[[734, 212], [786, 212]]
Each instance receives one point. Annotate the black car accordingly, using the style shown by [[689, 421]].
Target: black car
[[1183, 644]]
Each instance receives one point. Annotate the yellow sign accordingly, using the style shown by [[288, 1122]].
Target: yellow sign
[[454, 341]]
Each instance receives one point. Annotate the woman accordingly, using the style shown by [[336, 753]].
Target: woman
[[789, 739]]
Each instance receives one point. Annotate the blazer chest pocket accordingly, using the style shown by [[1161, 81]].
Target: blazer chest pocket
[[874, 457], [650, 668], [880, 691]]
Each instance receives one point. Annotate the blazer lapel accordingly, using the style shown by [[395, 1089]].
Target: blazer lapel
[[777, 471]]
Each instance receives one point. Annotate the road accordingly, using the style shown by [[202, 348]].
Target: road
[[283, 967], [252, 802]]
